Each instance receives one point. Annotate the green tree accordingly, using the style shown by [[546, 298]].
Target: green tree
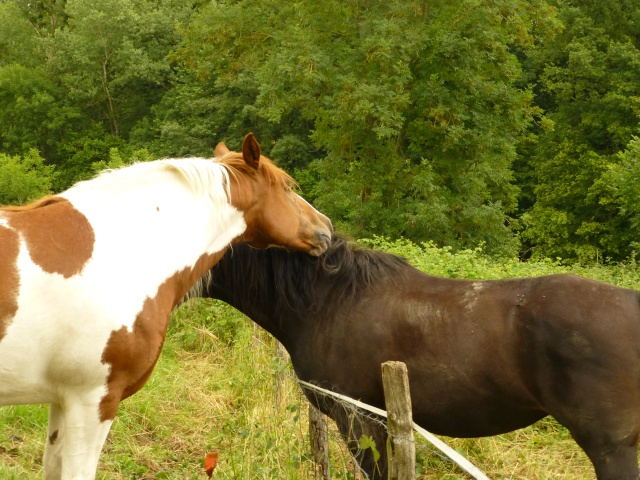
[[19, 39], [621, 187], [112, 56], [589, 85], [76, 76], [412, 107]]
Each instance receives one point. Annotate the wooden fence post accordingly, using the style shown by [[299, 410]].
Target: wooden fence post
[[319, 437], [401, 449]]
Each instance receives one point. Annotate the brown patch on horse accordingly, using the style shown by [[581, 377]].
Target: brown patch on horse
[[9, 277], [241, 167], [53, 437], [132, 355], [59, 238]]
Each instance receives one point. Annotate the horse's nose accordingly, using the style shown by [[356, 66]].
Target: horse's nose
[[322, 240]]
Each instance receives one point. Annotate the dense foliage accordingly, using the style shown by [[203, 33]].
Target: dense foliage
[[506, 123]]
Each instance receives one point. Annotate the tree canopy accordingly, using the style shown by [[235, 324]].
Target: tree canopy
[[511, 124]]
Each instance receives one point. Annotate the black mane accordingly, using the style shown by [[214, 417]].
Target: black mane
[[286, 281]]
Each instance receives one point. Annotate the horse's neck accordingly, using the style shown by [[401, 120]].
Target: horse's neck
[[262, 313], [149, 234]]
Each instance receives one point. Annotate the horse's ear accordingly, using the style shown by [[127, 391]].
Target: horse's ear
[[251, 151], [221, 149]]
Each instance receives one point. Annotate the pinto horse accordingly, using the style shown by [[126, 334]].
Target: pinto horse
[[484, 357], [89, 277]]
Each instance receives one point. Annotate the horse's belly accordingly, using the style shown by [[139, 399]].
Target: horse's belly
[[471, 414]]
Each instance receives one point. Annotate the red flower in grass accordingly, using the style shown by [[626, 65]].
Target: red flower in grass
[[210, 462]]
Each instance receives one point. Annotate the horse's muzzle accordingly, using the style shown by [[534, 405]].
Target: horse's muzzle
[[322, 241]]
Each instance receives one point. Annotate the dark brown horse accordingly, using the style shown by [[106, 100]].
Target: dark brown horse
[[484, 357]]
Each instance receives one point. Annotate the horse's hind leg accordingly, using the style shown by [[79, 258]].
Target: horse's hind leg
[[612, 460]]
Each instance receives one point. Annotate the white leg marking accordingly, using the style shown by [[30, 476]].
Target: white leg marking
[[53, 447], [84, 437]]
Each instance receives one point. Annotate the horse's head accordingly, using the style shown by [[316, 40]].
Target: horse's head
[[273, 211]]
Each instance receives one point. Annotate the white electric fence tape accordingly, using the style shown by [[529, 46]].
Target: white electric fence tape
[[458, 459]]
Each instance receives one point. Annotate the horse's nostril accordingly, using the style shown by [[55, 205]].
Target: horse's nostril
[[323, 236]]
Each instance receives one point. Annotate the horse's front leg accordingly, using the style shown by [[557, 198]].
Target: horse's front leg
[[370, 427], [354, 425], [53, 447], [84, 435]]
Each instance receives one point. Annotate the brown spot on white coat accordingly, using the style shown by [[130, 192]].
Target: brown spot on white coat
[[9, 277], [58, 237]]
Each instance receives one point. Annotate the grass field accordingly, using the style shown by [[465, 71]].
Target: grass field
[[214, 390]]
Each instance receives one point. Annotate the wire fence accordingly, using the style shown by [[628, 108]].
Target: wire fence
[[362, 417]]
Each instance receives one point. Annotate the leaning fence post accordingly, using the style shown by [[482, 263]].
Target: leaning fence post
[[401, 449]]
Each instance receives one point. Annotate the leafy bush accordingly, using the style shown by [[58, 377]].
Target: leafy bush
[[24, 178], [476, 264]]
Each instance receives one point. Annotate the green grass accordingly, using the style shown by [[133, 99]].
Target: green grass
[[218, 394], [214, 390]]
